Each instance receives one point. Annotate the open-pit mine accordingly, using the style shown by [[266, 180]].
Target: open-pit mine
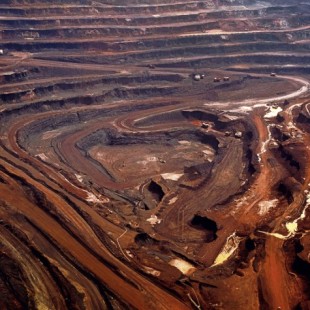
[[155, 154]]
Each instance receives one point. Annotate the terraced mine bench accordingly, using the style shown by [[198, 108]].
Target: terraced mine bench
[[154, 154]]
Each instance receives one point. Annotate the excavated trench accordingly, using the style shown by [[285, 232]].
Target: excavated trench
[[200, 222]]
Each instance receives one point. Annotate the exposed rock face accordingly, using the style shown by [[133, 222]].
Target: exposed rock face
[[154, 155]]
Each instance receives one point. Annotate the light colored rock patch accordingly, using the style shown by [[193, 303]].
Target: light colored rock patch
[[94, 199], [172, 200], [231, 245], [79, 177], [172, 176], [292, 227], [208, 152], [266, 205], [153, 220], [273, 112], [43, 157], [185, 267], [265, 143], [51, 134], [151, 271], [184, 142]]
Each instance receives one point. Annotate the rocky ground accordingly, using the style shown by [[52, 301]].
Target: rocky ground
[[154, 155]]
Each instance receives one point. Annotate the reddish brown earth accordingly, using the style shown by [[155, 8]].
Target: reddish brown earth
[[133, 176]]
